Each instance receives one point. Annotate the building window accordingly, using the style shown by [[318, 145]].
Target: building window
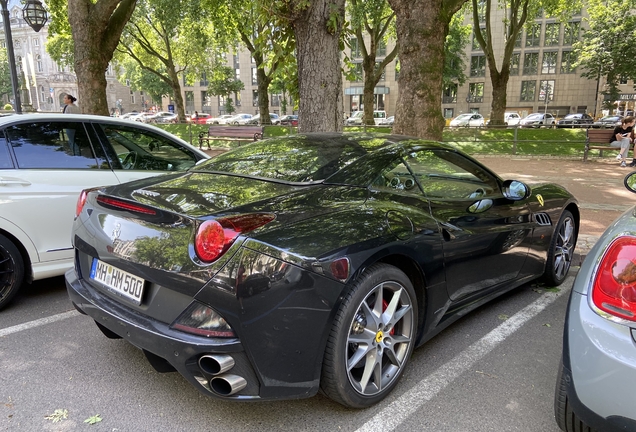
[[132, 98], [528, 89], [567, 62], [238, 74], [36, 42], [549, 62], [449, 113], [571, 32], [17, 44], [515, 60], [450, 93], [237, 99], [533, 35], [481, 10], [531, 63], [356, 72], [189, 101], [552, 34], [38, 62], [235, 60], [275, 99], [518, 40], [205, 99], [546, 88], [254, 77], [476, 46], [42, 94], [381, 51], [397, 69], [254, 98], [476, 92], [478, 66], [127, 83], [355, 48]]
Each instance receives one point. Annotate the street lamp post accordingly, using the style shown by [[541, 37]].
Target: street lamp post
[[35, 15]]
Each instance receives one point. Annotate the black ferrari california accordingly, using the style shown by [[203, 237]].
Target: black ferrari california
[[310, 262]]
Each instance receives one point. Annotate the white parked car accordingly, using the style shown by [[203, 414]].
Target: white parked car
[[537, 120], [239, 119], [46, 160], [357, 116], [468, 119], [222, 119], [512, 118], [162, 117]]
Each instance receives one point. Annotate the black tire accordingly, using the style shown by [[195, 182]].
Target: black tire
[[11, 271], [363, 328], [566, 419], [561, 250]]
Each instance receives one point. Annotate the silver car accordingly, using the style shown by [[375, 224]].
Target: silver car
[[595, 385]]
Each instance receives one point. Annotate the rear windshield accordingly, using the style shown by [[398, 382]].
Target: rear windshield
[[297, 158]]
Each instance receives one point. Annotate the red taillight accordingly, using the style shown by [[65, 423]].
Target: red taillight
[[214, 237], [614, 288], [81, 200], [125, 205]]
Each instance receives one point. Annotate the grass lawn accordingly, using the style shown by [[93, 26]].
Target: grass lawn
[[555, 142]]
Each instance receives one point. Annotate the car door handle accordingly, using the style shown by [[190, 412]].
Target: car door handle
[[9, 181]]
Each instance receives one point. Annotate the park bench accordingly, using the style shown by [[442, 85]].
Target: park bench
[[231, 133], [598, 139]]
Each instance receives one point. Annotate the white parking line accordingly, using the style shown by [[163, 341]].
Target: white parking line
[[37, 323], [400, 409]]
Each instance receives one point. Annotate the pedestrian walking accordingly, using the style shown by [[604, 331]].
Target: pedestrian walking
[[69, 105], [623, 137], [71, 108]]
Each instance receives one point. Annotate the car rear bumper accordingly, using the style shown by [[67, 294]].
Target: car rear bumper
[[599, 368]]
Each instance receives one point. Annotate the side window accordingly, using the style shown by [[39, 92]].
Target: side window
[[52, 145], [396, 178], [446, 174], [5, 156], [139, 149]]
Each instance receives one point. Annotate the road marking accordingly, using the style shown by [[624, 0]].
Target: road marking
[[390, 417], [36, 323]]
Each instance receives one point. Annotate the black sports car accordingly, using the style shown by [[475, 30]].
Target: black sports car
[[310, 262]]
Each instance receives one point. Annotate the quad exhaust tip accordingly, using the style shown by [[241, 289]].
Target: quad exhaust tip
[[215, 364], [227, 384]]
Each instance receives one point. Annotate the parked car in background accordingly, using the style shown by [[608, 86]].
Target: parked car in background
[[239, 119], [387, 121], [575, 121], [163, 117], [357, 116], [289, 120], [201, 118], [608, 122], [222, 119], [468, 119], [595, 384], [282, 280], [537, 120], [256, 119], [46, 160], [510, 118]]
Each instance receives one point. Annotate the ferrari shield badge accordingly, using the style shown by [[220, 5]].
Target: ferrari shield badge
[[540, 199]]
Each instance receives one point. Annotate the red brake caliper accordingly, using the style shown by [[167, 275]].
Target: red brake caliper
[[385, 305]]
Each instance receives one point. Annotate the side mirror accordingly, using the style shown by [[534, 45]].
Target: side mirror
[[630, 181], [515, 190]]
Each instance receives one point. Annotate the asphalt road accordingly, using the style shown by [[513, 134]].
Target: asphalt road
[[493, 370]]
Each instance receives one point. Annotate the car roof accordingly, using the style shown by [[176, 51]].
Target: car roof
[[43, 117]]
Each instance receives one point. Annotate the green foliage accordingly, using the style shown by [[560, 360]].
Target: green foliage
[[223, 82], [93, 419], [454, 50], [144, 80], [5, 75], [58, 415], [607, 49], [8, 107], [59, 44]]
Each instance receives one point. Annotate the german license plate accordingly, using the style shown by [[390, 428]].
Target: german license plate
[[124, 283]]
